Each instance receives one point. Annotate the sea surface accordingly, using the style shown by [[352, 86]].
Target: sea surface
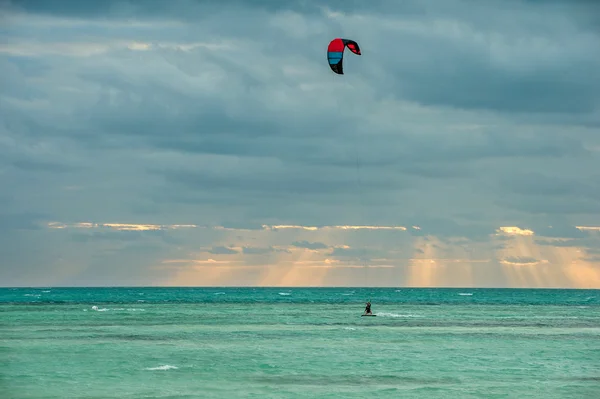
[[298, 343]]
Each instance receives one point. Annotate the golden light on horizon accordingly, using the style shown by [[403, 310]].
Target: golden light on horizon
[[514, 230], [119, 226], [529, 264], [291, 255], [335, 227]]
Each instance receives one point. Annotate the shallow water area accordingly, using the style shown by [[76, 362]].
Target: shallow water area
[[308, 343]]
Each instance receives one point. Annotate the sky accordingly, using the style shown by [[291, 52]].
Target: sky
[[207, 143]]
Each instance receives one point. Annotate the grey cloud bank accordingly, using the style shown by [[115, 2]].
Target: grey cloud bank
[[458, 118]]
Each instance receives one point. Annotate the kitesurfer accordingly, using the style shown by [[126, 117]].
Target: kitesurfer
[[368, 308]]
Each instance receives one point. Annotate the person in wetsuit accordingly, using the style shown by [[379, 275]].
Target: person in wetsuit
[[368, 308]]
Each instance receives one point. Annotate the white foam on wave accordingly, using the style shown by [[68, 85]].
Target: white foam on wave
[[349, 328], [386, 314], [285, 293], [465, 293], [47, 291], [97, 309], [164, 367], [219, 293]]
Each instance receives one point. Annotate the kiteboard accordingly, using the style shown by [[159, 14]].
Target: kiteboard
[[368, 315]]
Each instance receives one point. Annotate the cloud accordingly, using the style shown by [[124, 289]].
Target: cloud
[[520, 261], [117, 226], [361, 253], [309, 245], [589, 228], [144, 132], [263, 251], [313, 228], [560, 229], [515, 230], [20, 221], [559, 243], [222, 251]]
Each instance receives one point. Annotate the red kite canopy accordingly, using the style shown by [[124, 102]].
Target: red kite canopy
[[335, 53]]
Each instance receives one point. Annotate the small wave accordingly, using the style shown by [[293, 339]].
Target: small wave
[[285, 293], [219, 293], [465, 293], [165, 367], [349, 328], [97, 309], [385, 314], [35, 295], [46, 291]]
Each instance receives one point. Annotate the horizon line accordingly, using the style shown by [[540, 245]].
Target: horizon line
[[296, 287]]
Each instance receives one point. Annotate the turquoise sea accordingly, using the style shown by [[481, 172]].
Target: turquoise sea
[[298, 343]]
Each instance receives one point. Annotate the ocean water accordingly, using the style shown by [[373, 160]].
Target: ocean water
[[298, 343]]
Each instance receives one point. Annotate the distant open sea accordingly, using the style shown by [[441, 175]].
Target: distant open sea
[[299, 343]]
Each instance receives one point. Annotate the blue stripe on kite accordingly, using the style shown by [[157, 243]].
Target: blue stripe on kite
[[334, 57]]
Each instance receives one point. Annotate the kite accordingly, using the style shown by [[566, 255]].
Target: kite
[[335, 53]]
